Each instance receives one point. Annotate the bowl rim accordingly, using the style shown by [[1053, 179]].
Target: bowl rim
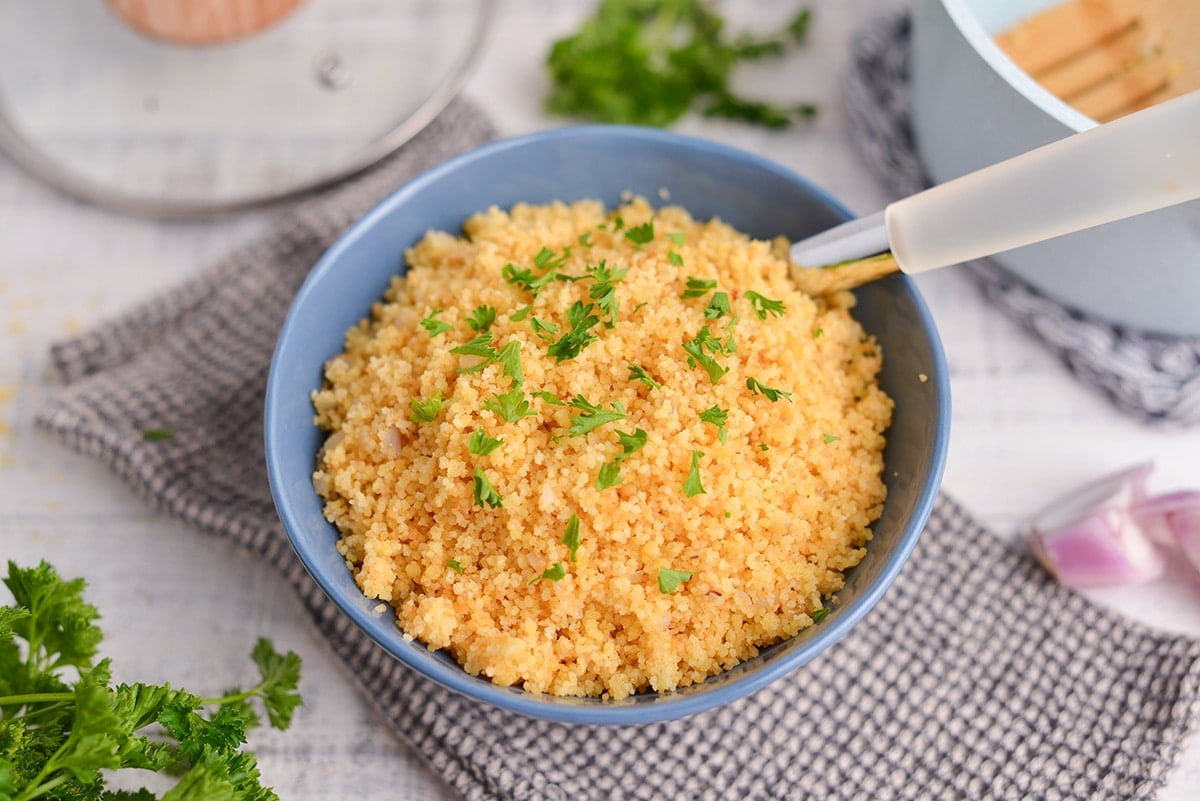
[[449, 674], [969, 25]]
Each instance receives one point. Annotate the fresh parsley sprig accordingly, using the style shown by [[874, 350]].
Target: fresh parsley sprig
[[62, 739], [650, 61]]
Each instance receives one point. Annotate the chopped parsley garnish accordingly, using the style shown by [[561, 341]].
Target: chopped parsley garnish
[[641, 234], [698, 287], [828, 438], [424, 410], [520, 314], [158, 434], [550, 397], [543, 329], [695, 349], [692, 486], [485, 493], [580, 319], [675, 258], [639, 373], [479, 346], [570, 537], [481, 444], [518, 276], [510, 407], [435, 326], [817, 332], [671, 580], [757, 387], [678, 237], [610, 473], [764, 305], [555, 572], [593, 416], [604, 290], [510, 361], [545, 260], [649, 63], [718, 306], [482, 318], [585, 239], [454, 565], [764, 446], [818, 615], [718, 417]]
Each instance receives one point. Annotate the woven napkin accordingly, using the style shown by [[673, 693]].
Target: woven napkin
[[976, 677], [1154, 378]]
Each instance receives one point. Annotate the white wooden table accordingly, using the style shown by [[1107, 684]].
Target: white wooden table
[[180, 607]]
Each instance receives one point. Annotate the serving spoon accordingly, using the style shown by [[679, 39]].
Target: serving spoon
[[1141, 162]]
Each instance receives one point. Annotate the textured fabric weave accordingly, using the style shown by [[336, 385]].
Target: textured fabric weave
[[975, 678], [1153, 378]]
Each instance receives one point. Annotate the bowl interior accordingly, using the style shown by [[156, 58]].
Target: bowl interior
[[709, 180]]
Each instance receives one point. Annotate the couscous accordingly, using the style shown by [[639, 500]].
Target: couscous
[[596, 452]]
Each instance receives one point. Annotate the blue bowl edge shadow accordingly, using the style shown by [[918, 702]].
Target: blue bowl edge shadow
[[751, 193]]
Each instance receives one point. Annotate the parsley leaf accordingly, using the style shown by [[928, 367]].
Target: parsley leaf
[[425, 410], [510, 407], [671, 580], [678, 237], [756, 386], [570, 537], [555, 572], [510, 361], [481, 444], [610, 472], [455, 565], [549, 397], [484, 492], [698, 287], [482, 318], [763, 305], [715, 415], [593, 416], [830, 438], [695, 349], [435, 326], [718, 306], [543, 329], [581, 319], [818, 615], [639, 373], [158, 434], [641, 234], [692, 486], [609, 475], [479, 346]]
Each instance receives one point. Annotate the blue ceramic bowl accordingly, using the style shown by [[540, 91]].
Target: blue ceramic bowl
[[751, 193]]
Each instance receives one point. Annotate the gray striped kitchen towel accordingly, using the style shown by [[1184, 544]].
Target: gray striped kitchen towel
[[976, 677], [1152, 377]]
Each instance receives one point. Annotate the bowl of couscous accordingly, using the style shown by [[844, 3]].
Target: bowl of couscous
[[552, 425]]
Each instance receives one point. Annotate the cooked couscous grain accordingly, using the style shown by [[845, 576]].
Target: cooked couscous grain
[[595, 452]]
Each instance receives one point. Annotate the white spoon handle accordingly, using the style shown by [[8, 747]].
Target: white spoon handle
[[1145, 161]]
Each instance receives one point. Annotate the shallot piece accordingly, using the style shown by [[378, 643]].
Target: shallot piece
[[1173, 521], [1091, 537]]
